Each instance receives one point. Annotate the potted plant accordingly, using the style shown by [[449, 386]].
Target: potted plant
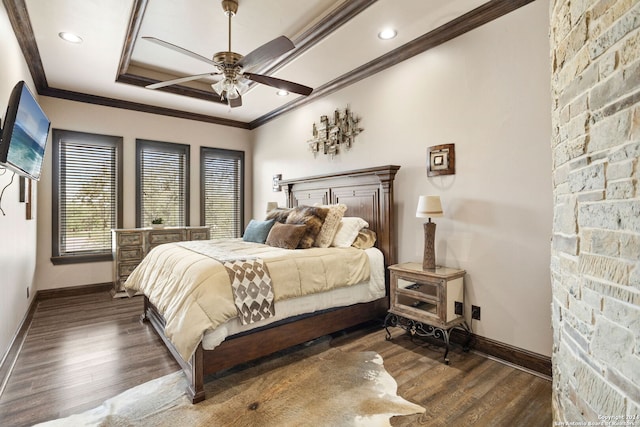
[[157, 222]]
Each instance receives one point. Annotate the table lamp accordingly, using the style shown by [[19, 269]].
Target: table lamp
[[428, 207], [271, 206]]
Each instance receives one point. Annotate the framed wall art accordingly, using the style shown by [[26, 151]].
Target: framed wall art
[[441, 160]]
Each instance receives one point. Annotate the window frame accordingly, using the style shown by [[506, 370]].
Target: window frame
[[85, 138], [166, 147], [222, 152]]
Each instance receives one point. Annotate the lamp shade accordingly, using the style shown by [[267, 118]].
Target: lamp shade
[[271, 206], [429, 206]]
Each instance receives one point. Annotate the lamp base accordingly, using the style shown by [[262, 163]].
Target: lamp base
[[429, 258]]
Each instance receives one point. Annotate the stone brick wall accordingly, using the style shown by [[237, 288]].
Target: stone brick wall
[[595, 262]]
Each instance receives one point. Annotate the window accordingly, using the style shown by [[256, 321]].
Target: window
[[222, 191], [87, 195], [162, 184]]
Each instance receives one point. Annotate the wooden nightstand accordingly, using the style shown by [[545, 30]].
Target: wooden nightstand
[[427, 303]]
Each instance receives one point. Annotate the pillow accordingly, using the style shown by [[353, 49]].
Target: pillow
[[257, 231], [365, 239], [313, 218], [330, 225], [348, 230], [286, 236], [279, 214]]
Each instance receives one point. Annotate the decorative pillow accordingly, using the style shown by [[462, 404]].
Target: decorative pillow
[[330, 225], [313, 218], [279, 214], [286, 236], [348, 230], [257, 231], [365, 239]]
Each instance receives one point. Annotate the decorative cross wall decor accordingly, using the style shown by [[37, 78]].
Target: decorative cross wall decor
[[329, 135]]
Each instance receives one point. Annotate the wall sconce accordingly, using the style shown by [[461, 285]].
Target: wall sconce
[[275, 183]]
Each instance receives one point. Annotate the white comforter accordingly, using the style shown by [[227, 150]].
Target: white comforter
[[193, 291]]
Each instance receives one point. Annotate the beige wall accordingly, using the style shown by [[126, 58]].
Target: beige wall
[[488, 93], [18, 245], [130, 125]]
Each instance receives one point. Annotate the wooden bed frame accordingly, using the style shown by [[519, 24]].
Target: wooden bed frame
[[368, 193]]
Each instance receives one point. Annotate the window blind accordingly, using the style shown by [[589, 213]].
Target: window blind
[[162, 183], [87, 197], [222, 188]]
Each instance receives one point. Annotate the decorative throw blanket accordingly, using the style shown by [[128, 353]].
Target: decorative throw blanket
[[193, 293], [252, 291], [250, 281]]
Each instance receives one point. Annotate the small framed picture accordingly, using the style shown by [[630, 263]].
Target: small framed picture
[[441, 160]]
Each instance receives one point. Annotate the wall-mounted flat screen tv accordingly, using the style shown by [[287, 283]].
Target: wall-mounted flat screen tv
[[24, 133]]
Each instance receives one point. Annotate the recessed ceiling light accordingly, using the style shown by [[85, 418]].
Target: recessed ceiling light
[[69, 37], [387, 34], [282, 92]]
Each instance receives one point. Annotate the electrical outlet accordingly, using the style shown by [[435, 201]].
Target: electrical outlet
[[458, 308], [475, 312]]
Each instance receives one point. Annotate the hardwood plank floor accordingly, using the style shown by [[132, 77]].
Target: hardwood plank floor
[[82, 350]]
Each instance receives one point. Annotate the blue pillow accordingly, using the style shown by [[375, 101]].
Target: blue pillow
[[257, 231]]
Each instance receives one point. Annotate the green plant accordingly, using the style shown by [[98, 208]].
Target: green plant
[[157, 220]]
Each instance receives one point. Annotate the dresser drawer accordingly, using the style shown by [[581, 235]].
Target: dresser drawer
[[125, 269], [129, 254], [198, 235], [159, 237], [129, 239]]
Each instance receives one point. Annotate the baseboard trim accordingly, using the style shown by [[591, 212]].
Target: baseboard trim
[[516, 356], [10, 357], [73, 291]]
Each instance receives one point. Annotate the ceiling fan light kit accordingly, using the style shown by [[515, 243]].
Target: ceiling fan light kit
[[232, 66]]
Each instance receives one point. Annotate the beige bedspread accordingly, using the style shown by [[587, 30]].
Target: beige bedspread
[[193, 291]]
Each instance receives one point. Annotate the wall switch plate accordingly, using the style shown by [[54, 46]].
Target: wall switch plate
[[475, 312], [458, 308]]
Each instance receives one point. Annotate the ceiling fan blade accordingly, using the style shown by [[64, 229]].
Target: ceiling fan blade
[[176, 81], [269, 50], [279, 83], [179, 49]]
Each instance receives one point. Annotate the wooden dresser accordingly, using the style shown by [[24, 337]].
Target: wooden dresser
[[130, 245]]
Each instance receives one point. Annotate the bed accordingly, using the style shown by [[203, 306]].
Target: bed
[[367, 194]]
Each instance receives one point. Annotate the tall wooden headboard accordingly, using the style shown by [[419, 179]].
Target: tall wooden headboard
[[367, 193]]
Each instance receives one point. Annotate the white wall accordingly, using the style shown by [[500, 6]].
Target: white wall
[[130, 125], [488, 93], [18, 245]]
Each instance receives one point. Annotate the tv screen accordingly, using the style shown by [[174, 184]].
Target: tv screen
[[24, 134]]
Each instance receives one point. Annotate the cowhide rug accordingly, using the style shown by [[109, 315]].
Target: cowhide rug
[[307, 387]]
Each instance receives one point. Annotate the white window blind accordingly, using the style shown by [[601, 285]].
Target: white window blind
[[162, 183], [86, 191], [222, 188]]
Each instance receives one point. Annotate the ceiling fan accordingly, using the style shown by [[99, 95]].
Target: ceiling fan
[[232, 66]]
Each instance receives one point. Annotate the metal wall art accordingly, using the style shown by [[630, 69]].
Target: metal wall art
[[441, 160], [333, 133]]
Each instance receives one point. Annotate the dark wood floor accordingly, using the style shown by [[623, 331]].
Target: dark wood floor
[[82, 350]]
